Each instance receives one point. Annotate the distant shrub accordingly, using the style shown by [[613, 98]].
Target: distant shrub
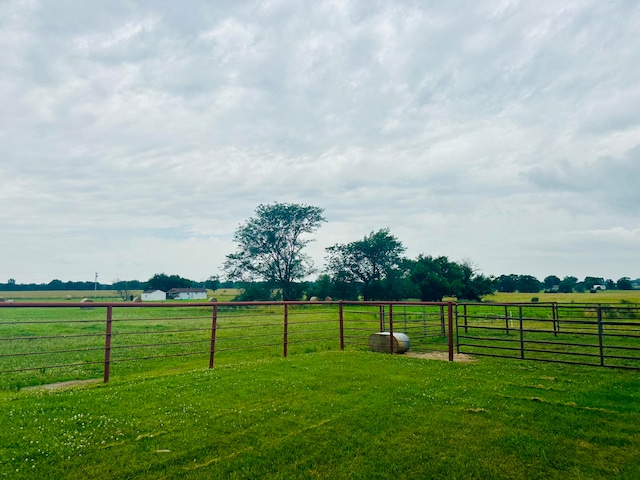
[[535, 299]]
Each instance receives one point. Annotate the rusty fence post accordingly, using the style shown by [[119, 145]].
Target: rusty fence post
[[286, 329], [107, 344], [600, 341], [341, 321], [506, 319], [391, 349], [214, 328], [556, 318], [450, 322], [381, 317]]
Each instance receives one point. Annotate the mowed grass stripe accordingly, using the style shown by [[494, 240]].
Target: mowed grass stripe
[[332, 415]]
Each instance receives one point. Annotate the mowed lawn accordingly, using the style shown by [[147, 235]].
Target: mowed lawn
[[333, 415]]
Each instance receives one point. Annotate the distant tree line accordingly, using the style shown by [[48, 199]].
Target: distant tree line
[[270, 264], [552, 283], [159, 281]]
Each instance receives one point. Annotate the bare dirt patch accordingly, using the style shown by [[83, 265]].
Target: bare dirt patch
[[63, 385], [443, 356]]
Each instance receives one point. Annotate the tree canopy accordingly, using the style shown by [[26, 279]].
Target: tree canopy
[[271, 244], [439, 277], [164, 282], [368, 261]]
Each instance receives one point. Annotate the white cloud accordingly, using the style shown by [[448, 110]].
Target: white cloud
[[486, 130]]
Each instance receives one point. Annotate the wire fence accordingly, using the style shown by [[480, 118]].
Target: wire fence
[[54, 342]]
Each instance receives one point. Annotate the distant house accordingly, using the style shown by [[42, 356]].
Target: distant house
[[153, 296], [187, 294]]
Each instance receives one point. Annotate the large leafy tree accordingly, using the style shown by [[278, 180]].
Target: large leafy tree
[[551, 281], [624, 283], [438, 277], [164, 282], [528, 284], [568, 284], [366, 262], [507, 283], [271, 244]]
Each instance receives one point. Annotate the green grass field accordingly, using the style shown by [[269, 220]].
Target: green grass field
[[331, 415], [227, 294], [606, 296], [222, 295], [319, 413]]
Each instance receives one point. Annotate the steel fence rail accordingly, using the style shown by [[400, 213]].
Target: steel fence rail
[[45, 336], [552, 332]]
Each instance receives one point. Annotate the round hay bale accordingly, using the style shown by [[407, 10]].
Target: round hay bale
[[68, 297], [137, 299], [213, 300], [86, 300], [313, 299], [328, 299]]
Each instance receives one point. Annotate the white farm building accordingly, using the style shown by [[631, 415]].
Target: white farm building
[[153, 296], [187, 294]]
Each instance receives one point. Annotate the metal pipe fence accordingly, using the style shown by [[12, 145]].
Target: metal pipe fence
[[588, 334], [51, 342]]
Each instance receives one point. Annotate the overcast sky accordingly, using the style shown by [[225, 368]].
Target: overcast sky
[[136, 136]]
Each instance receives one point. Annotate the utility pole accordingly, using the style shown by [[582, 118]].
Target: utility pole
[[95, 286]]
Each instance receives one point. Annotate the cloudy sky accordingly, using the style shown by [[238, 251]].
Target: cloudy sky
[[136, 136]]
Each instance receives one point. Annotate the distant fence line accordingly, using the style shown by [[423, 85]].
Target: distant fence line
[[88, 339]]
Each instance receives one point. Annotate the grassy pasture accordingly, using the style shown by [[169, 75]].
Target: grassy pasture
[[331, 415], [319, 413], [222, 295], [227, 294], [604, 296], [73, 339]]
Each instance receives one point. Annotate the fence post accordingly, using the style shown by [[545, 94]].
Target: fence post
[[450, 314], [391, 329], [506, 319], [404, 315], [214, 328], [424, 321], [556, 321], [286, 328], [442, 332], [521, 333], [107, 345], [341, 320], [464, 312], [381, 317], [600, 343]]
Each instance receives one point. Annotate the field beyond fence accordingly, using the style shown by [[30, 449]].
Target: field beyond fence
[[54, 342], [44, 342]]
